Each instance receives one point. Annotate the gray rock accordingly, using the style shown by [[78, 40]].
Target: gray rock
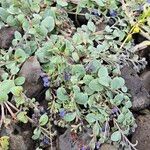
[[21, 141], [146, 80], [140, 96], [72, 141], [142, 133], [6, 36], [108, 147], [31, 70], [20, 138]]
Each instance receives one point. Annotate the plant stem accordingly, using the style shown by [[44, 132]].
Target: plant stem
[[10, 111], [132, 145]]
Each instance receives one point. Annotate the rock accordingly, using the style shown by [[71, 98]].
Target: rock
[[21, 141], [31, 70], [108, 147], [6, 36], [142, 133], [73, 141], [146, 80], [20, 138], [140, 96]]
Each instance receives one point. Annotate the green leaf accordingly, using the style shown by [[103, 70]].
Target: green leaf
[[81, 98], [20, 55], [37, 133], [88, 90], [19, 81], [48, 23], [117, 83], [21, 18], [16, 90], [11, 20], [100, 2], [96, 129], [104, 81], [128, 104], [103, 71], [35, 7], [14, 70], [3, 14], [75, 56], [95, 65], [90, 118], [120, 118], [26, 25], [95, 85], [22, 116], [87, 79], [43, 120], [62, 94], [69, 117], [18, 36], [4, 143], [116, 136], [62, 3], [6, 86], [78, 70], [91, 26], [118, 98], [19, 100], [3, 97]]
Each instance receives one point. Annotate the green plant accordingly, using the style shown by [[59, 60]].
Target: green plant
[[86, 88]]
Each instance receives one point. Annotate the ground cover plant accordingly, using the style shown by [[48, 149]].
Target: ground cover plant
[[77, 50]]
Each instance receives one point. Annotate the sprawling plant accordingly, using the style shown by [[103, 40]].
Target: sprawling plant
[[86, 89]]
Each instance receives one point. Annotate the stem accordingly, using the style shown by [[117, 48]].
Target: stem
[[10, 111], [2, 115], [132, 145], [146, 35], [10, 104]]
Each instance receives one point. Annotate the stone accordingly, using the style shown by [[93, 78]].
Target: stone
[[22, 141], [6, 36], [74, 141], [108, 147], [31, 70], [146, 80], [20, 137], [142, 132], [140, 96]]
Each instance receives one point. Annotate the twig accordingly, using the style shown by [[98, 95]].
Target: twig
[[2, 115], [132, 145], [10, 111], [10, 104], [141, 46]]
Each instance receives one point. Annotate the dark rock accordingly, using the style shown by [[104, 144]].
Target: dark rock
[[146, 80], [22, 141], [20, 138], [6, 36], [140, 96], [142, 133], [73, 141], [31, 70]]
